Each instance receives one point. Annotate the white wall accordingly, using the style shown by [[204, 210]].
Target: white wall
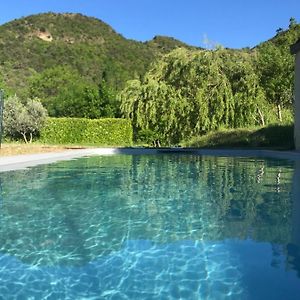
[[297, 102], [296, 205]]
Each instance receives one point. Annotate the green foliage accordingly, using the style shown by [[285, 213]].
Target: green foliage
[[276, 69], [109, 105], [147, 136], [293, 23], [23, 119], [249, 97], [108, 132], [167, 44], [191, 92], [86, 45], [275, 137], [62, 59], [158, 107], [2, 84], [66, 93]]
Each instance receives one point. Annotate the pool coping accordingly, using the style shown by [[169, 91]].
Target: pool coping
[[18, 162]]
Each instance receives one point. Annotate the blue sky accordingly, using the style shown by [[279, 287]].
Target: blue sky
[[231, 23]]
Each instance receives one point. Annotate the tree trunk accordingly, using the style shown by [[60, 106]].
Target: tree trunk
[[279, 113], [30, 141], [24, 136], [261, 116]]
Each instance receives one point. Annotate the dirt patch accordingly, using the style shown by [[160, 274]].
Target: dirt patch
[[18, 149], [45, 36]]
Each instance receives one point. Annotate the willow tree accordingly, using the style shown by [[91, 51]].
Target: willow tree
[[249, 96], [155, 106], [188, 93]]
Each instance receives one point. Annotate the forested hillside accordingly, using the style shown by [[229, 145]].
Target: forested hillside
[[31, 45]]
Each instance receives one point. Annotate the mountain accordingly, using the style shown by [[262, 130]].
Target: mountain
[[35, 43], [90, 47]]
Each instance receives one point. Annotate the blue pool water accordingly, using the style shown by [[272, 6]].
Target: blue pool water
[[151, 227]]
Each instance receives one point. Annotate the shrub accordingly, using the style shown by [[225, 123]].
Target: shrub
[[109, 132], [146, 136], [23, 120]]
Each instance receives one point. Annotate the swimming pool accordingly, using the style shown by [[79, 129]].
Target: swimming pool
[[151, 227]]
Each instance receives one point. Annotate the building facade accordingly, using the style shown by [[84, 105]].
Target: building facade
[[295, 49]]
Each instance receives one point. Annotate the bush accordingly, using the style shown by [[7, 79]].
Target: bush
[[24, 120], [146, 136], [279, 137], [108, 132]]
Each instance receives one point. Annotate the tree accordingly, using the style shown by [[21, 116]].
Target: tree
[[293, 23], [25, 120], [108, 100], [249, 97], [279, 30], [157, 107], [189, 93], [276, 71], [197, 76], [65, 93], [172, 100]]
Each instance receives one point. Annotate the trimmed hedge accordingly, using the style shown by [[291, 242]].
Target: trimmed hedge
[[108, 132]]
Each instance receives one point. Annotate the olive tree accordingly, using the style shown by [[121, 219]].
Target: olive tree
[[24, 120]]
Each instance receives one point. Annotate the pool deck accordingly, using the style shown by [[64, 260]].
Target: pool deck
[[18, 162]]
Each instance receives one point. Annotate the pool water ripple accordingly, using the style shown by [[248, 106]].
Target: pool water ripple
[[139, 269], [150, 227]]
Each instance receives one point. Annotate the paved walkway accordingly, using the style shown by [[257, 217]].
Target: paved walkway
[[17, 162]]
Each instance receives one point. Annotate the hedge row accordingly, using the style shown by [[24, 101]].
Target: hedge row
[[108, 132]]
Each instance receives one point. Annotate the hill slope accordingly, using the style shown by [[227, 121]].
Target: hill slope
[[35, 43]]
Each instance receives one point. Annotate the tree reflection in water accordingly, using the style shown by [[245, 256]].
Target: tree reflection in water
[[74, 211]]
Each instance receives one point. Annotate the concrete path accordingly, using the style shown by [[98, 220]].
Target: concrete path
[[8, 163], [17, 162]]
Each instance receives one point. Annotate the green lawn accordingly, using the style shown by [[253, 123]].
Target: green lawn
[[278, 137]]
